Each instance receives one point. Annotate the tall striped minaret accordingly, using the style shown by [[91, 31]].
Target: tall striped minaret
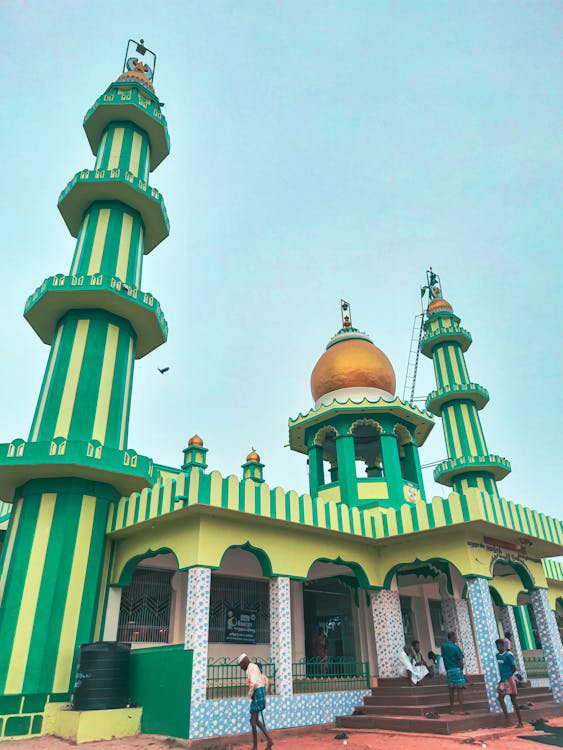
[[64, 479], [458, 401]]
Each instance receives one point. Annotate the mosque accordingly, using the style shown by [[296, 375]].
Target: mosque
[[191, 567]]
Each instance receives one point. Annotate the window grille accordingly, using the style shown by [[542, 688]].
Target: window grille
[[144, 615], [232, 593]]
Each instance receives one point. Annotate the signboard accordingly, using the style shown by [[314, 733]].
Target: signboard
[[240, 626]]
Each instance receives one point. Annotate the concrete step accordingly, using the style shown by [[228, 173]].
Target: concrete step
[[398, 710], [420, 699], [407, 691], [446, 724]]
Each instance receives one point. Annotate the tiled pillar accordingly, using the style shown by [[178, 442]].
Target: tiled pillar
[[550, 641], [197, 628], [280, 633], [388, 627], [486, 633], [509, 624], [457, 618]]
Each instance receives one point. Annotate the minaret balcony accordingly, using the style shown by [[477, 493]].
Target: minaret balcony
[[22, 461], [457, 392], [89, 186], [445, 335], [130, 102], [59, 294], [496, 466]]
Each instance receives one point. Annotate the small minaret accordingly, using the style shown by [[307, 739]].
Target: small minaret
[[194, 455], [252, 468], [76, 464], [457, 400]]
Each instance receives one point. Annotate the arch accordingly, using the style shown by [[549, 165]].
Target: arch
[[496, 597], [259, 554], [518, 567], [403, 435], [129, 567], [440, 563], [322, 433], [365, 422], [356, 568]]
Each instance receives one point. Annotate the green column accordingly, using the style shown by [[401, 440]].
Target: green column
[[316, 470], [392, 465], [346, 457], [524, 626], [50, 589], [412, 466]]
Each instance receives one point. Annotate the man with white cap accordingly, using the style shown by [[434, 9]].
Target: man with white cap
[[257, 685]]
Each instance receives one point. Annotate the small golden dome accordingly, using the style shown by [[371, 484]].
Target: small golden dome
[[195, 440], [438, 304], [253, 456], [353, 362], [137, 76]]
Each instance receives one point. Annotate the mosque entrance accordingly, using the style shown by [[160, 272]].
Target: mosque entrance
[[329, 620]]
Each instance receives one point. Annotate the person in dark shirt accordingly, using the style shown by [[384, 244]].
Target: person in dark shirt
[[452, 656], [507, 684]]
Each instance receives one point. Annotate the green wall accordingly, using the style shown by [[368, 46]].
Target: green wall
[[160, 682]]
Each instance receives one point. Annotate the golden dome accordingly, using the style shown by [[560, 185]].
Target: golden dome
[[253, 456], [352, 361], [195, 440], [137, 76], [438, 304]]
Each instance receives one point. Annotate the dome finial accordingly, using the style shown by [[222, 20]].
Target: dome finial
[[436, 302], [135, 69], [346, 312]]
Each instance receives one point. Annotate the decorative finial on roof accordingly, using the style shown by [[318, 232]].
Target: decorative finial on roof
[[195, 439], [253, 456], [139, 70], [436, 302], [346, 312]]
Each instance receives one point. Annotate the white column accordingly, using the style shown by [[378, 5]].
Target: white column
[[280, 633], [550, 641], [486, 633], [457, 619], [509, 624], [197, 629], [388, 628], [112, 613]]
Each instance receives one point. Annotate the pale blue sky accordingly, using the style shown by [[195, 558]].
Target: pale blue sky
[[319, 150]]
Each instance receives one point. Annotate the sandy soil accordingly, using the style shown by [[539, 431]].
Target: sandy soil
[[317, 740]]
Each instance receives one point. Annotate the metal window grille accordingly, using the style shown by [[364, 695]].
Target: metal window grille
[[231, 593], [225, 678], [144, 615], [329, 675]]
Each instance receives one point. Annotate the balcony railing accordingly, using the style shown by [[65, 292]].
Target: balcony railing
[[225, 678], [331, 675]]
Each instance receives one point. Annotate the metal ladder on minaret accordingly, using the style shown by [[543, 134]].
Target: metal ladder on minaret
[[414, 354]]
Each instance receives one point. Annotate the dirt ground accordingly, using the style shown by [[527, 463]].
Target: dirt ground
[[324, 739]]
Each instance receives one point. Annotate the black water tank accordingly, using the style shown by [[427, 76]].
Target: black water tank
[[102, 676]]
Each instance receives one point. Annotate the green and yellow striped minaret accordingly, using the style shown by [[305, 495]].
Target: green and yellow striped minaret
[[76, 463], [458, 401]]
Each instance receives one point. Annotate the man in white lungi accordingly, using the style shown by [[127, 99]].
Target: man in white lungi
[[413, 673]]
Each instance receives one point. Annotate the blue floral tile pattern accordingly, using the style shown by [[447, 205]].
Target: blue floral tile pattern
[[197, 629], [457, 618], [388, 627], [215, 718], [280, 634], [486, 633], [509, 624], [551, 643]]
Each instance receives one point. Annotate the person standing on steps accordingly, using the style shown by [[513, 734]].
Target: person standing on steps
[[452, 656], [257, 685], [507, 684]]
